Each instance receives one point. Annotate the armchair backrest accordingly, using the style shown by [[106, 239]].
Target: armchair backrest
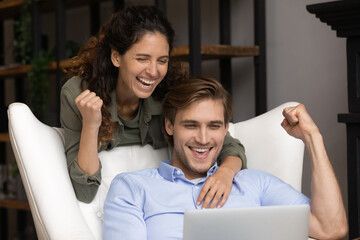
[[269, 148], [39, 152]]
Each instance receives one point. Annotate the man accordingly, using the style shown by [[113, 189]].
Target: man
[[149, 204]]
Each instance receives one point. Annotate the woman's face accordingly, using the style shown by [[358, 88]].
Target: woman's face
[[143, 66]]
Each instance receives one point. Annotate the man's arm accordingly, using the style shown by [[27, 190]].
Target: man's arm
[[327, 217], [123, 218]]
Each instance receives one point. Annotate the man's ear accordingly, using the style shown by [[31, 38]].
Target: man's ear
[[115, 58], [169, 127], [226, 127]]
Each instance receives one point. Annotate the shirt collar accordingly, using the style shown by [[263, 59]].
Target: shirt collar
[[171, 173], [151, 107]]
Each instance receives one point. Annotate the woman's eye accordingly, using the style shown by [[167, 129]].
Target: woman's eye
[[141, 59], [163, 61]]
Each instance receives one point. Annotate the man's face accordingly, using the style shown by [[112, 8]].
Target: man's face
[[198, 132]]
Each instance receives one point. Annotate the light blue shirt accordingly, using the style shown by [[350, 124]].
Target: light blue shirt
[[150, 204]]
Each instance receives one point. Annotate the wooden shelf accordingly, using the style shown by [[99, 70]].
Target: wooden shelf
[[4, 137], [14, 70], [181, 53], [14, 204], [11, 8], [217, 51], [20, 69]]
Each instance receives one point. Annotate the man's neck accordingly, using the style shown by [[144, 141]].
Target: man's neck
[[189, 174]]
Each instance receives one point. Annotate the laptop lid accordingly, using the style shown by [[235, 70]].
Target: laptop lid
[[254, 223]]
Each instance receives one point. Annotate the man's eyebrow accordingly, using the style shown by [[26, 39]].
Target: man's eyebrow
[[186, 121], [196, 122], [217, 122]]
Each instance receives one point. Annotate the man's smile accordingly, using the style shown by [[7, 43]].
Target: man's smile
[[201, 152]]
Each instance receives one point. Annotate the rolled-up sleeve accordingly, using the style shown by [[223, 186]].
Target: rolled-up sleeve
[[85, 186], [233, 147]]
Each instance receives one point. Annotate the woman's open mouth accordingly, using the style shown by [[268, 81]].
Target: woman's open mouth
[[146, 83]]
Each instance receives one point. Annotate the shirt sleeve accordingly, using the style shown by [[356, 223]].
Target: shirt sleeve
[[233, 147], [276, 192], [85, 186], [123, 214]]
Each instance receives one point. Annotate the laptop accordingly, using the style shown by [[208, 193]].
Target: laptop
[[254, 223]]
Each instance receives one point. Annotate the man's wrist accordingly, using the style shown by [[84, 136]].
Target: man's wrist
[[313, 137]]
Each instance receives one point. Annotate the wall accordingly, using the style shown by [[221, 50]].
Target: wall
[[306, 62]]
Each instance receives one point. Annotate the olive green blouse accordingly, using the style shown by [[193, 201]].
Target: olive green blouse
[[149, 129]]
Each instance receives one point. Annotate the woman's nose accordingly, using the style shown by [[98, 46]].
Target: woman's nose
[[152, 69]]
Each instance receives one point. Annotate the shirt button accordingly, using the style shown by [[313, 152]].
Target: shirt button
[[196, 187], [99, 214], [178, 172]]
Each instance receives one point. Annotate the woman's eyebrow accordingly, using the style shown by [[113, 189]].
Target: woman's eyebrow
[[147, 55]]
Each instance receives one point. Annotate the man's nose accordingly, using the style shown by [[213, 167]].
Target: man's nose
[[202, 136]]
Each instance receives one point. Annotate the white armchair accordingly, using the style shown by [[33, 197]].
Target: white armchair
[[57, 214]]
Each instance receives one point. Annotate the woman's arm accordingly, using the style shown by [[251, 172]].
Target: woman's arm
[[89, 106], [85, 183]]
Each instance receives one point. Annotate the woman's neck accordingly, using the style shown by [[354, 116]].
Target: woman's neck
[[127, 105]]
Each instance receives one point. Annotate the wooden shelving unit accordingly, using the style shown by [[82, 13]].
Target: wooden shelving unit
[[10, 9]]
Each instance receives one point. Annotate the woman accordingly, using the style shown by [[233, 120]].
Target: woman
[[113, 99]]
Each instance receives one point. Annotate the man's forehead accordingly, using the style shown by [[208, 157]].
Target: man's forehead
[[208, 110]]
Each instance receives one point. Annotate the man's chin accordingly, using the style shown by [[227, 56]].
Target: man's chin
[[201, 168]]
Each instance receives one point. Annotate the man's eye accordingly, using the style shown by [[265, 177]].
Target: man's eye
[[215, 127], [190, 126]]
